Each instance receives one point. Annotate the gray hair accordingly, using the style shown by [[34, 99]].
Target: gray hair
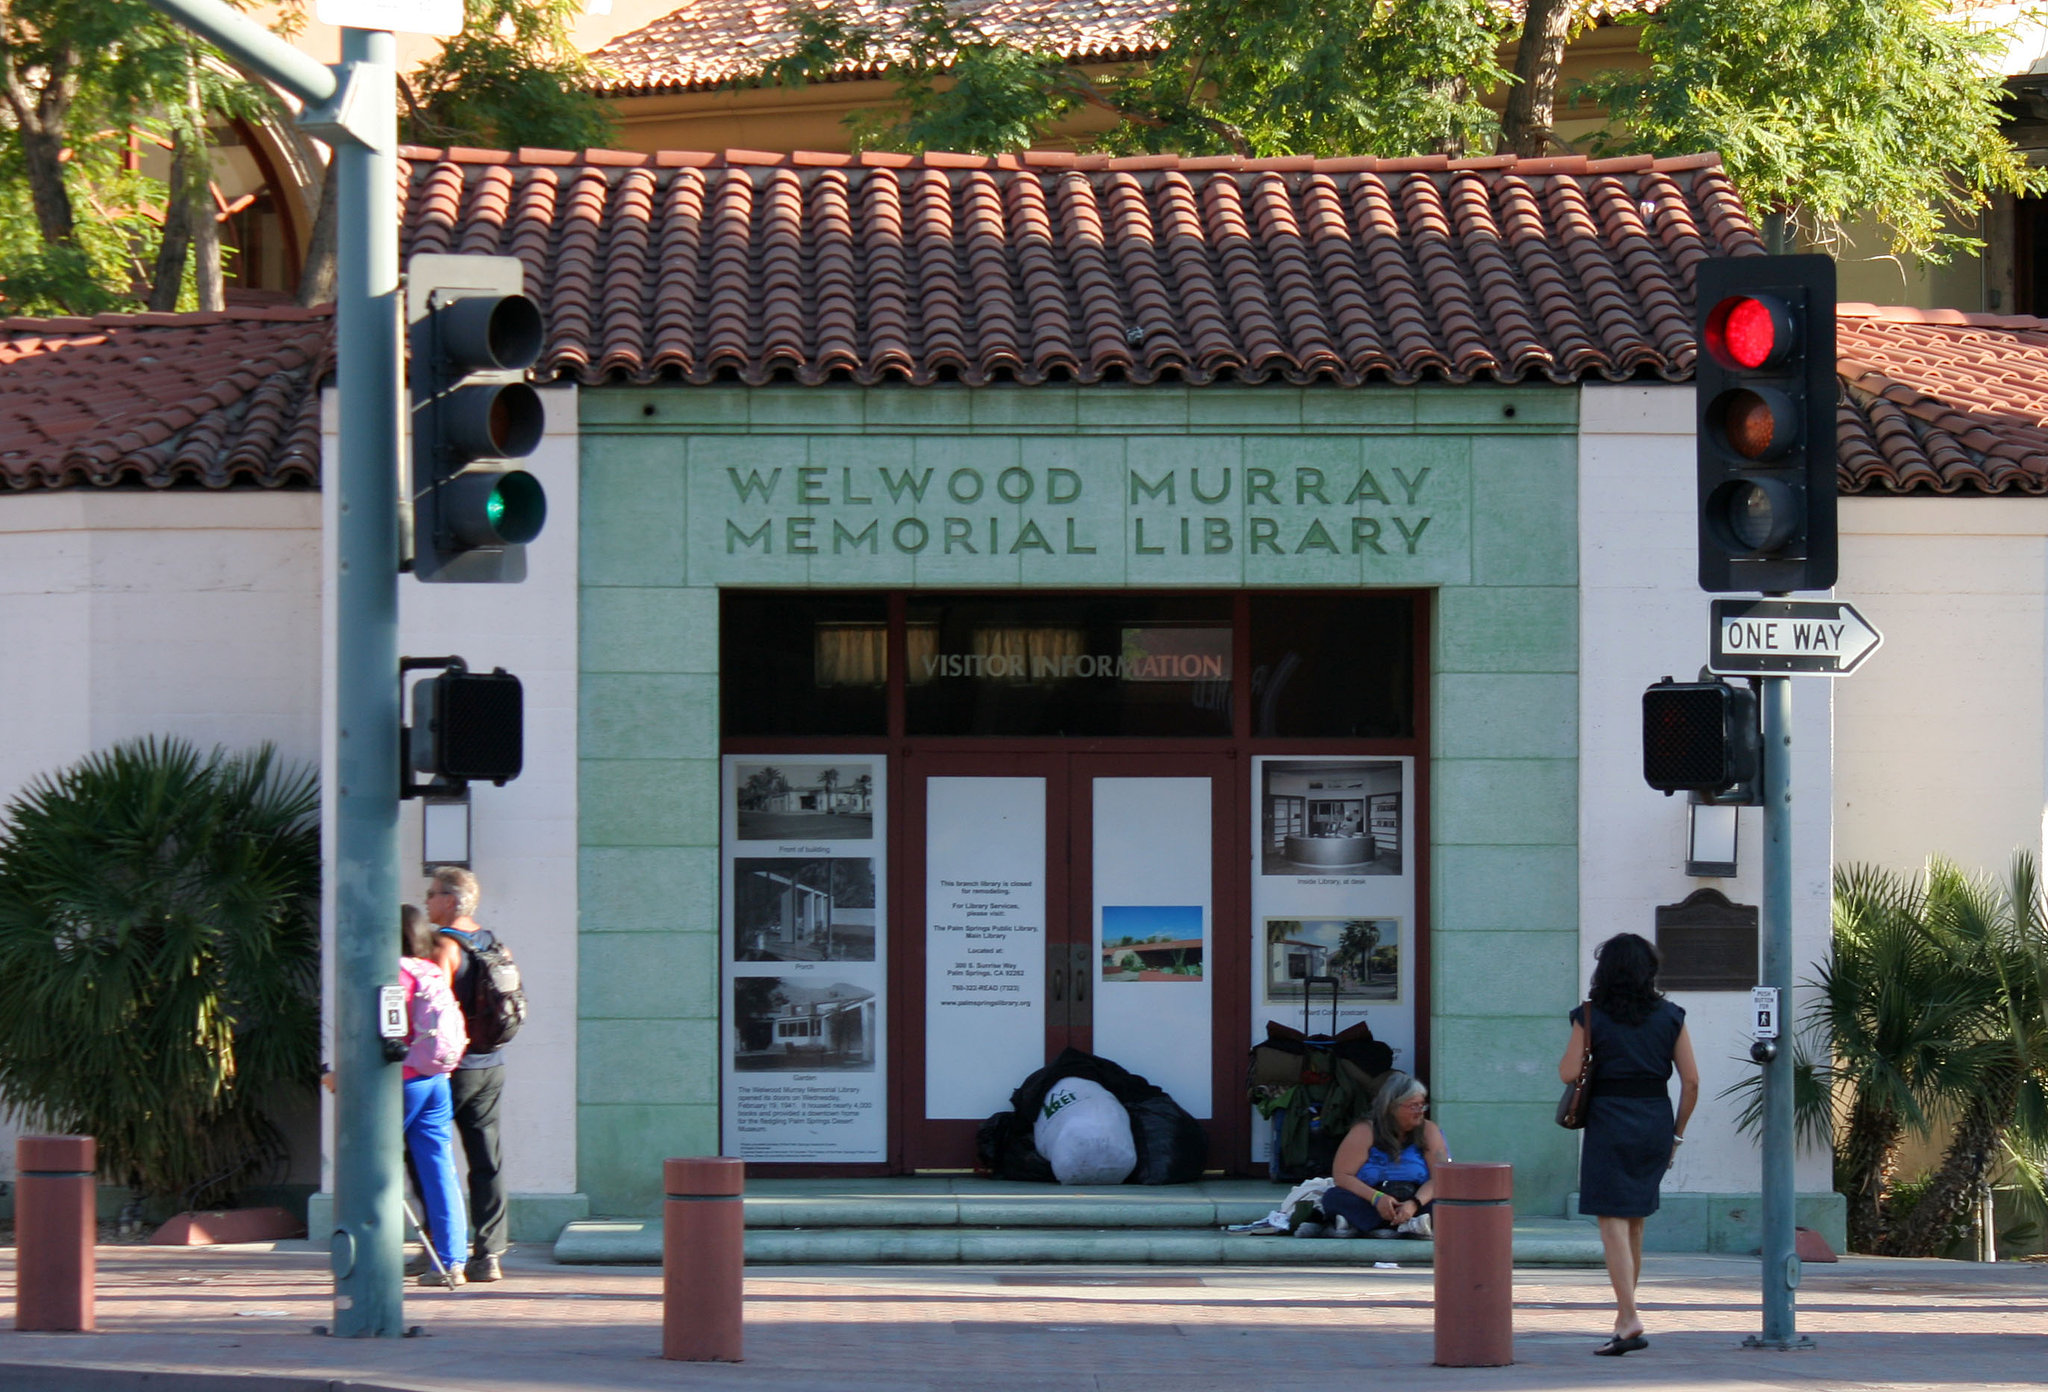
[[1387, 1135], [464, 884]]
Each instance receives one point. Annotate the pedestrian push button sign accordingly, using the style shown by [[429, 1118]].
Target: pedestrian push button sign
[[1763, 1012], [391, 1012]]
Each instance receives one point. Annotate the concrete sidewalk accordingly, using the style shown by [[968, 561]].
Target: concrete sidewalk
[[185, 1319]]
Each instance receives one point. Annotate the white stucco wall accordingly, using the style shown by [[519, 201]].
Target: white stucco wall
[[127, 613], [523, 835], [1942, 745], [1642, 616]]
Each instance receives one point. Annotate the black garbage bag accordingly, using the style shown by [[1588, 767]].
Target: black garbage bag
[[1172, 1147]]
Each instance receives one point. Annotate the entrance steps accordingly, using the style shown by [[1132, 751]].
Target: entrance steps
[[945, 1219]]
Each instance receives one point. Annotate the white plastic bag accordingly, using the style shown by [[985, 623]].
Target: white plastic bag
[[1085, 1133]]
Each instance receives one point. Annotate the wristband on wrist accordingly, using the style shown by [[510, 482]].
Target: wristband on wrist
[[1678, 1140]]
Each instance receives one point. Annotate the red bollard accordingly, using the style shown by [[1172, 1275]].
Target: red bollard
[[1474, 1219], [703, 1248], [55, 1227]]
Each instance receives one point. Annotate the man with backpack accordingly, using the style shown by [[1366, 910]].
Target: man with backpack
[[486, 985]]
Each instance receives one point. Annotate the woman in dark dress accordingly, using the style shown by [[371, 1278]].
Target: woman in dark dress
[[1631, 1137]]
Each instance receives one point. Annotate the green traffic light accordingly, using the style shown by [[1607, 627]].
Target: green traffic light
[[494, 509]]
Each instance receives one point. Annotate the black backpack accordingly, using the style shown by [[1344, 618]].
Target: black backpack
[[493, 1004]]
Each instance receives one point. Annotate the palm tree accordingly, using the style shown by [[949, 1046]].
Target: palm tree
[[159, 957], [864, 785], [1892, 1011], [1996, 937], [1353, 956], [829, 779]]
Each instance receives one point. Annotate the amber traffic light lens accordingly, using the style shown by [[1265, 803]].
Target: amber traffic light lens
[[1751, 425], [1749, 331]]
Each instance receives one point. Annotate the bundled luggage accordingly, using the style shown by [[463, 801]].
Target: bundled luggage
[[1084, 1134], [1168, 1145], [1312, 1087]]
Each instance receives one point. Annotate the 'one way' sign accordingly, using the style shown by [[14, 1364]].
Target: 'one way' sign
[[1795, 637]]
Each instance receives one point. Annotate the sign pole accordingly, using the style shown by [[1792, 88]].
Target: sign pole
[[355, 109], [367, 1244], [1780, 1250]]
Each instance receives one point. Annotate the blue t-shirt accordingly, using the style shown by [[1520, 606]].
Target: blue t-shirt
[[1379, 1170]]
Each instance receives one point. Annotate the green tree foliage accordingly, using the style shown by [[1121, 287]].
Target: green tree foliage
[[1929, 1012], [159, 947], [1896, 1018], [1825, 110], [1995, 935], [1388, 77], [80, 231], [510, 78]]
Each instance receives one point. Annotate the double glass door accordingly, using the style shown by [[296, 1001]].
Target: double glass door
[[1058, 899]]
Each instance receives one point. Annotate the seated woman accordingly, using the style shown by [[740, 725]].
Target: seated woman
[[1382, 1171]]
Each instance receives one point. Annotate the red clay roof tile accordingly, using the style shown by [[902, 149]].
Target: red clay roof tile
[[1091, 269], [707, 43], [220, 400], [1939, 401]]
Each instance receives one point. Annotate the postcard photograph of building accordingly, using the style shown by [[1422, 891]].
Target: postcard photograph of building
[[1363, 954], [805, 802]]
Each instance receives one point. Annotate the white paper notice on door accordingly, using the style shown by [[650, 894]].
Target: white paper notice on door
[[805, 913], [1154, 926], [984, 942]]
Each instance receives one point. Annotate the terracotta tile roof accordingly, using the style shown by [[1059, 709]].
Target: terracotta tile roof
[[1043, 267], [706, 43], [218, 400], [1938, 401], [709, 42]]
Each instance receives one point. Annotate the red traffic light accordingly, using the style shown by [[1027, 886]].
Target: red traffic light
[[1749, 332]]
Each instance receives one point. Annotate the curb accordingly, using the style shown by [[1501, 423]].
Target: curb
[[100, 1377]]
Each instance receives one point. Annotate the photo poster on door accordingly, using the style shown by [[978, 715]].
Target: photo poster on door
[[804, 874], [984, 947], [1154, 923], [1333, 894]]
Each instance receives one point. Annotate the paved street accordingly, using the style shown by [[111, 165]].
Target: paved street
[[1880, 1325]]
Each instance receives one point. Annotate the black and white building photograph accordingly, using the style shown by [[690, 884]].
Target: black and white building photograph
[[820, 909], [1363, 954], [805, 802], [1330, 817], [780, 1025]]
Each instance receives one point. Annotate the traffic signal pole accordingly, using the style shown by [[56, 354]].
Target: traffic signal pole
[[1780, 1247], [368, 1240], [354, 108]]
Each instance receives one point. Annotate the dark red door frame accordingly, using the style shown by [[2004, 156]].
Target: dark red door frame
[[984, 756]]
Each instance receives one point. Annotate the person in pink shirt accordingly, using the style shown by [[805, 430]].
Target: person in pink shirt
[[434, 1044]]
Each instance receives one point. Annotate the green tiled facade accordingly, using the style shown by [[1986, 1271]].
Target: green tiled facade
[[1328, 488]]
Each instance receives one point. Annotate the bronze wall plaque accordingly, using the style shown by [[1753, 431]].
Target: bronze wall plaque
[[1709, 944]]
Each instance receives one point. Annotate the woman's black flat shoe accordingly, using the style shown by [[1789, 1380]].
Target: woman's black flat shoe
[[1615, 1348]]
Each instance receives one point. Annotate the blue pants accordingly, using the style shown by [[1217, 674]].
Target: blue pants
[[430, 1138], [1342, 1203]]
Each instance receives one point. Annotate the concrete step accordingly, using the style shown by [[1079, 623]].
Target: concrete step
[[637, 1242], [927, 1202]]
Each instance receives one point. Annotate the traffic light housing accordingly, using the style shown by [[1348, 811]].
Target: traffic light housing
[[467, 726], [471, 337], [1701, 737], [1766, 390]]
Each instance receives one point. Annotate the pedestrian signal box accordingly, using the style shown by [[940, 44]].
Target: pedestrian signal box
[[1700, 737], [468, 726]]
